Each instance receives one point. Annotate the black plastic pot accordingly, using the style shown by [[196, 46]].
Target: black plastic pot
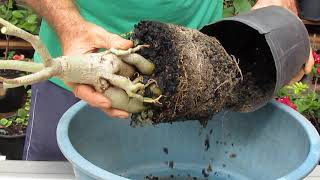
[[14, 98], [272, 38], [309, 9], [12, 146]]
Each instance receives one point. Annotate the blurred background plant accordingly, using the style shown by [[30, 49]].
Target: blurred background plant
[[17, 13], [234, 7]]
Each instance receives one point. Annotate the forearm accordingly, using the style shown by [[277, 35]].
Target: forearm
[[62, 15]]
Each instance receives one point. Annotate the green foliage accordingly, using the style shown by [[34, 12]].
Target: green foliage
[[234, 7], [306, 100], [22, 115], [23, 18]]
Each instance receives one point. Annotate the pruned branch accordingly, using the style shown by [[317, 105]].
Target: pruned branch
[[35, 41]]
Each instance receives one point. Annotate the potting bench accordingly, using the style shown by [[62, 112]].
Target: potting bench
[[45, 170]]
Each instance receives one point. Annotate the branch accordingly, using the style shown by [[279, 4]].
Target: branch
[[42, 75], [35, 41], [21, 65]]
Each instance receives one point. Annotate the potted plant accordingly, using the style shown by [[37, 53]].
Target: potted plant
[[12, 99], [305, 96], [12, 131]]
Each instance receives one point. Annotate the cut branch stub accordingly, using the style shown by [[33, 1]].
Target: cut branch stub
[[10, 29]]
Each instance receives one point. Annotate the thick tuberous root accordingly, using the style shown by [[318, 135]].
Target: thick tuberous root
[[109, 72], [196, 77]]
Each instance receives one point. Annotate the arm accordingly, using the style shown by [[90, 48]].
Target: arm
[[79, 36]]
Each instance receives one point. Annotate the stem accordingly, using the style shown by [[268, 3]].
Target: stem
[[31, 78], [21, 66], [315, 85], [7, 48], [35, 41]]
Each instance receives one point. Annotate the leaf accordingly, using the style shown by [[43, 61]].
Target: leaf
[[241, 6], [22, 113], [27, 108], [8, 124], [32, 19], [4, 121], [228, 12], [14, 21], [19, 120], [17, 14]]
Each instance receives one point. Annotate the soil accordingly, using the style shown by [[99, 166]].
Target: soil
[[192, 69], [14, 129], [198, 77]]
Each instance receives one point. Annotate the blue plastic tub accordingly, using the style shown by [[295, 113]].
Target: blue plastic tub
[[274, 142]]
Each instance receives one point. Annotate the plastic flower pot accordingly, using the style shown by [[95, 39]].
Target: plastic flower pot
[[274, 142], [14, 98], [11, 146], [272, 39], [309, 9]]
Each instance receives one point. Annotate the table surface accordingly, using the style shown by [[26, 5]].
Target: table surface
[[52, 170]]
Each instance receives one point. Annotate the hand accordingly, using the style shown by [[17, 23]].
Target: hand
[[88, 38], [306, 70], [292, 6], [288, 4]]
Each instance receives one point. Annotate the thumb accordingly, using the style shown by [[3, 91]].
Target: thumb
[[109, 40]]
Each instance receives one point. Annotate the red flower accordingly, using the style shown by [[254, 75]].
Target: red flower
[[287, 101], [318, 70], [316, 57], [18, 57]]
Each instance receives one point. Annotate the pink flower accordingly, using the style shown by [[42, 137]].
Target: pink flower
[[316, 57], [18, 57], [287, 101], [318, 70]]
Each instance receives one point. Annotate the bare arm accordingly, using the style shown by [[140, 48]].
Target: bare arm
[[62, 15]]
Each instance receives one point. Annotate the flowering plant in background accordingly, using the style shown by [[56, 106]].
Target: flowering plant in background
[[316, 68], [302, 98]]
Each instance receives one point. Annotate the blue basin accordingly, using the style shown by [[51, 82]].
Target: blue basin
[[274, 142]]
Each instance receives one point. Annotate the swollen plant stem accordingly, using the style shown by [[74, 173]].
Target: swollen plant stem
[[21, 66], [35, 41]]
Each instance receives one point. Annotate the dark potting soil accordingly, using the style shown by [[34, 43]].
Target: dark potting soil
[[198, 77], [13, 129], [192, 69]]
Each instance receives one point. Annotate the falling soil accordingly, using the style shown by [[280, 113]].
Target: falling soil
[[197, 76]]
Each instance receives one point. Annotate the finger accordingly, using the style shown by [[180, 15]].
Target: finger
[[310, 63], [116, 113], [110, 40], [89, 95], [298, 77]]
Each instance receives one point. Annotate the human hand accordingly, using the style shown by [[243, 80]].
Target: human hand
[[306, 70], [89, 38]]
